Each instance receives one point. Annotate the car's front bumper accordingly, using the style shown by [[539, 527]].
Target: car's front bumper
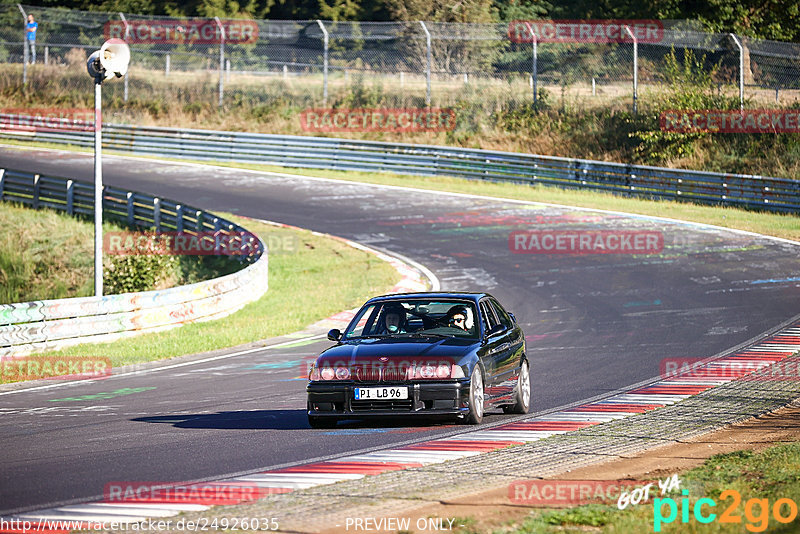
[[337, 399]]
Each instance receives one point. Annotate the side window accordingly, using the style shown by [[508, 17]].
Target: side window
[[365, 322], [505, 320], [489, 320]]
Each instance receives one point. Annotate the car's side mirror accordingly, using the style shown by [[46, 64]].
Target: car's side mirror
[[335, 334], [513, 317]]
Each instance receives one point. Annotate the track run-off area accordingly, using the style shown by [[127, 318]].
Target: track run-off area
[[594, 323]]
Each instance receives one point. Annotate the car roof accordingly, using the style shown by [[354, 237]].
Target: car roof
[[475, 297]]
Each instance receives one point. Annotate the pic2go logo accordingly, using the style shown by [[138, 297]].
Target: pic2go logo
[[756, 511]]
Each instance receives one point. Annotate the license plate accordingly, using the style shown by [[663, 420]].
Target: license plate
[[381, 393]]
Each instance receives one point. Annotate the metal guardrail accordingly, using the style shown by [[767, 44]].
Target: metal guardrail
[[755, 192], [52, 324]]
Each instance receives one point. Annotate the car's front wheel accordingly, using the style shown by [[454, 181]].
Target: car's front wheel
[[522, 393], [321, 422], [476, 397]]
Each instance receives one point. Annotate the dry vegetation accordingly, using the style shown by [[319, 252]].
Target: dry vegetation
[[491, 114]]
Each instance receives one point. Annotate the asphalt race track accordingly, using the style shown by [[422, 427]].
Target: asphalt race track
[[594, 323]]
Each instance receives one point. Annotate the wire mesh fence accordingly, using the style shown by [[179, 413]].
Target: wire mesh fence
[[203, 63]]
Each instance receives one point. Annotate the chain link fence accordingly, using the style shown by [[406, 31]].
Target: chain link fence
[[205, 63]]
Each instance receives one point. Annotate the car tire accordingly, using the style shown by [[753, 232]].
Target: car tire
[[522, 391], [321, 422], [476, 397]]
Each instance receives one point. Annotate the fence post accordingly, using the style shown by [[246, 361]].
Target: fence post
[[534, 64], [2, 182], [157, 214], [324, 63], [36, 191], [166, 66], [46, 54], [221, 59], [428, 67], [741, 70], [131, 214], [635, 70], [70, 197], [24, 46], [125, 90], [179, 218]]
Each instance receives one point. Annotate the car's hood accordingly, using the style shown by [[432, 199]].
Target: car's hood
[[422, 349]]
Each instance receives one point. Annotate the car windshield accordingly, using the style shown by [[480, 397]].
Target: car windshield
[[414, 317]]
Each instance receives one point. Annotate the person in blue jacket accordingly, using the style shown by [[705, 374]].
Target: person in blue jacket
[[30, 37]]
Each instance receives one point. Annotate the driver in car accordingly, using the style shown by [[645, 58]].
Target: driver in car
[[458, 317], [394, 319]]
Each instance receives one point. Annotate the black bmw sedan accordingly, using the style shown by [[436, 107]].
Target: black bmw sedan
[[448, 354]]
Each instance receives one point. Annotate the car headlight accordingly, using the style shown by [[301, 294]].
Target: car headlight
[[443, 371], [327, 373], [342, 373], [457, 372], [313, 373], [429, 371]]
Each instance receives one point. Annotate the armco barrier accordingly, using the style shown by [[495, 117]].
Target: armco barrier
[[765, 193], [50, 324]]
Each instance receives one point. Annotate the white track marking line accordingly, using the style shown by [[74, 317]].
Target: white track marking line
[[173, 366]]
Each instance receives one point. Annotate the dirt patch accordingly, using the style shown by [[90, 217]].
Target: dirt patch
[[491, 509]]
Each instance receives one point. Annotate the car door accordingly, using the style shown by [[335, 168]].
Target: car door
[[495, 346], [510, 354]]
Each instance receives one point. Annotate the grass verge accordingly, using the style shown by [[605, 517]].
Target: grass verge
[[759, 479], [44, 255], [310, 277], [569, 119]]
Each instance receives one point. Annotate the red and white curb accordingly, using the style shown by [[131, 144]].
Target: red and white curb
[[640, 399]]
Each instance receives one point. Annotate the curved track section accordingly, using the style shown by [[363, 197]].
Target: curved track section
[[594, 323]]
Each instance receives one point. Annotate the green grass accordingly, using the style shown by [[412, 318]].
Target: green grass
[[771, 474], [44, 255], [310, 277]]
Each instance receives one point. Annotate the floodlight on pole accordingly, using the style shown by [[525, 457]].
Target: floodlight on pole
[[111, 60]]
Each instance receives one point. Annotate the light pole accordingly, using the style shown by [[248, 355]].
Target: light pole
[[112, 58]]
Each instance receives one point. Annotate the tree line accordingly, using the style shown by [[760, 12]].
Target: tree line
[[766, 19]]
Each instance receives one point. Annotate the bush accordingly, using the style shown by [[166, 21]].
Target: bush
[[693, 89], [132, 273]]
